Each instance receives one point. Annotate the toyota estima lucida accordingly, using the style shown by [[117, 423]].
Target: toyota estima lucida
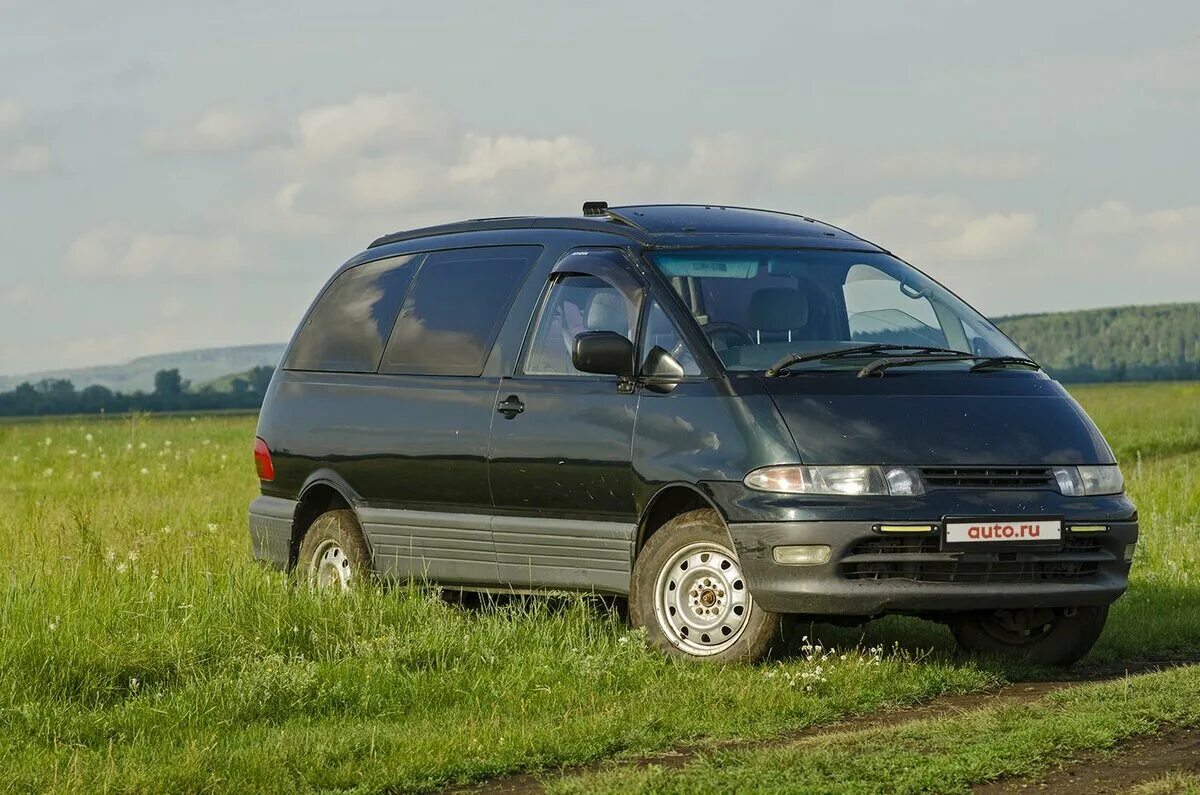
[[726, 415]]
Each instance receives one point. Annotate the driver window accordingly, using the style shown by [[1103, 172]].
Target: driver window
[[575, 304], [878, 308], [662, 332]]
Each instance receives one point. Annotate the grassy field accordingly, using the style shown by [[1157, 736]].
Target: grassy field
[[143, 650]]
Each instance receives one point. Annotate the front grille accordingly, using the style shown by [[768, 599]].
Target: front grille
[[988, 477], [919, 560]]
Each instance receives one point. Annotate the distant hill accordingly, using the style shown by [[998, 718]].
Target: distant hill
[[1127, 343], [197, 366]]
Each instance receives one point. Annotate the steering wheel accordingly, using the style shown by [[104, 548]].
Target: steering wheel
[[725, 329]]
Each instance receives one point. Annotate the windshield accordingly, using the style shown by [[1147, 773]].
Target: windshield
[[757, 305]]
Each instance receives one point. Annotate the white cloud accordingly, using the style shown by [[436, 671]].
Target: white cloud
[[12, 115], [369, 124], [19, 155], [26, 158], [943, 229], [221, 128], [16, 294], [1163, 240], [113, 253]]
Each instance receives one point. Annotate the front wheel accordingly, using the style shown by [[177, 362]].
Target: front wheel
[[690, 594], [1044, 636]]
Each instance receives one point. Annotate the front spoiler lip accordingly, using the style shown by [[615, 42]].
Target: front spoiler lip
[[823, 590]]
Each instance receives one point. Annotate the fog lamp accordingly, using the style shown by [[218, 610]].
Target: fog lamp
[[805, 555]]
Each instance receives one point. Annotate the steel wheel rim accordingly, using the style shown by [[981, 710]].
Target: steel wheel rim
[[330, 569], [701, 600]]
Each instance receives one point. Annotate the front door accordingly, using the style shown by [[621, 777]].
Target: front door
[[560, 460]]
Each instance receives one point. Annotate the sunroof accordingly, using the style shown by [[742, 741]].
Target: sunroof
[[715, 219]]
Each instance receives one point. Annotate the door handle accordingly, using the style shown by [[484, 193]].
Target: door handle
[[510, 407]]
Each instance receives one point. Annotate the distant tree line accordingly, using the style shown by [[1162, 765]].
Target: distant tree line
[[171, 393], [1132, 343]]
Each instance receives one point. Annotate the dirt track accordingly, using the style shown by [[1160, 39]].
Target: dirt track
[[1131, 763], [1157, 755]]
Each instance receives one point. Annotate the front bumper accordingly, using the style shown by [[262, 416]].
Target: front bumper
[[871, 573]]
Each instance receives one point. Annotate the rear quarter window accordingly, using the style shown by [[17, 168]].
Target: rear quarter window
[[347, 329], [454, 310]]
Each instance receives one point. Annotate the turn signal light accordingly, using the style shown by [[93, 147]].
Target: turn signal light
[[262, 460]]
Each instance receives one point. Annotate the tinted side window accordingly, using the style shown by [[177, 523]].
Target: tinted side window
[[574, 305], [661, 331], [347, 329], [454, 310]]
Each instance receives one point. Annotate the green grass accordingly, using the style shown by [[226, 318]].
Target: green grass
[[144, 650], [936, 755]]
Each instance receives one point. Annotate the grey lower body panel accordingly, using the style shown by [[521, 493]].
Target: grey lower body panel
[[564, 553], [870, 573], [520, 553], [271, 530], [430, 546]]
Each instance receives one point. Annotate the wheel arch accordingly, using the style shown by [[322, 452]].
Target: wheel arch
[[670, 501], [323, 491]]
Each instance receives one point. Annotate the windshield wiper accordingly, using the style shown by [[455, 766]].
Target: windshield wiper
[[837, 353], [1000, 361], [984, 362]]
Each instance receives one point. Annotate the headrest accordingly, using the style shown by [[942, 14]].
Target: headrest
[[607, 312], [778, 309]]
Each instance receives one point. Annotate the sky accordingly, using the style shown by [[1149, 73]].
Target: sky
[[183, 175]]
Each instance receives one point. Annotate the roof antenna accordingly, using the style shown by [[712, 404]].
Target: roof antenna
[[595, 208]]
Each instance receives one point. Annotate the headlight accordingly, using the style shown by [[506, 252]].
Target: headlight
[[840, 480], [1089, 481]]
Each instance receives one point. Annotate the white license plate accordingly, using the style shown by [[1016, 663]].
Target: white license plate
[[1003, 530]]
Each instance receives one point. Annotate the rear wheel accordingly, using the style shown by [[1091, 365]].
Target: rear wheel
[[1040, 635], [333, 555], [691, 596]]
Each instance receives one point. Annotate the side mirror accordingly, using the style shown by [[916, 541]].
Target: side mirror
[[603, 353], [661, 371]]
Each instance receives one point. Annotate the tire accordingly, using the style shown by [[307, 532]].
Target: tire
[[690, 595], [1043, 636], [334, 555]]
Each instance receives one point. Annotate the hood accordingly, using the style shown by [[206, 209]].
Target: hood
[[926, 419]]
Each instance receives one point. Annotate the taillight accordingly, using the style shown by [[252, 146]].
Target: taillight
[[262, 460]]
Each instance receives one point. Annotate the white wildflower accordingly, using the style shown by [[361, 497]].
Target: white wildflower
[[134, 683], [122, 567], [48, 441], [145, 471], [48, 472], [87, 438], [110, 555], [133, 555], [72, 451], [167, 443], [54, 623], [211, 527], [95, 474], [142, 446]]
